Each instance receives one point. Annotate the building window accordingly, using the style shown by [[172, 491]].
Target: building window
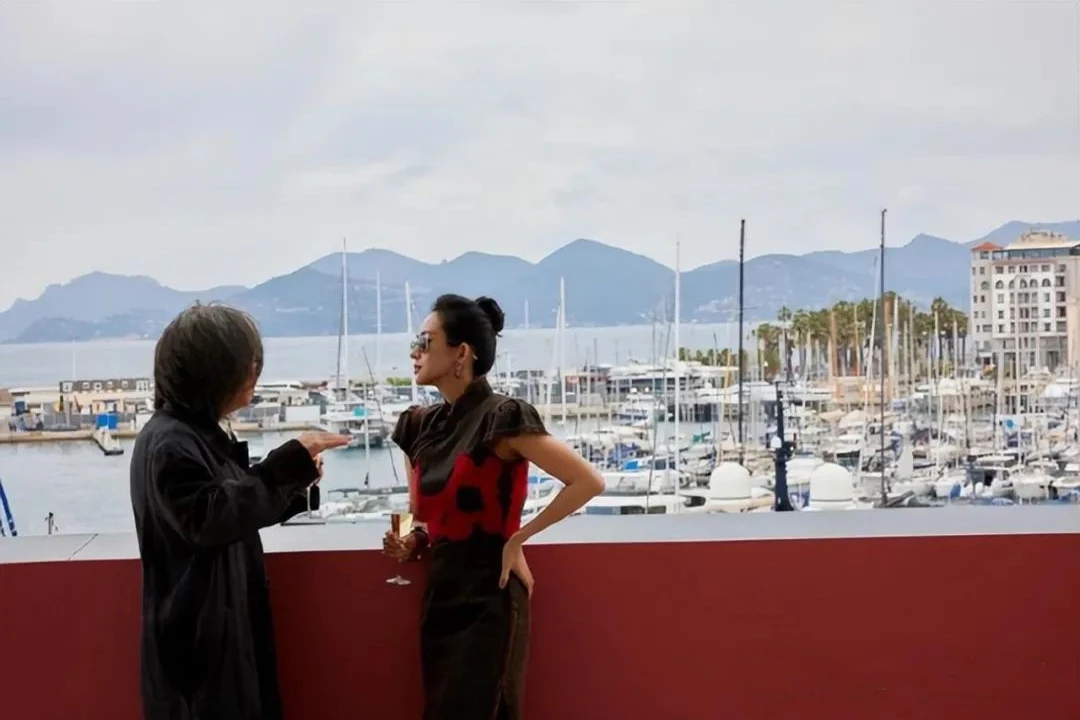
[[1059, 281], [1000, 285], [1001, 314], [982, 269], [1061, 312], [1044, 268], [972, 270], [1001, 298], [998, 270], [1046, 282], [982, 298], [1060, 326], [1046, 312], [1012, 269], [1061, 268]]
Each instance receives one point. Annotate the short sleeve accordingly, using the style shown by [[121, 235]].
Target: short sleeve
[[407, 430], [511, 418]]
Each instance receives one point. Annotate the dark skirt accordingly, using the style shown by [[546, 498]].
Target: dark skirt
[[474, 637]]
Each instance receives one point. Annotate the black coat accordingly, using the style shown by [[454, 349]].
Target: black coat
[[207, 635]]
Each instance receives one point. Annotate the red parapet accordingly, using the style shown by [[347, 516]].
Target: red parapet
[[924, 627]]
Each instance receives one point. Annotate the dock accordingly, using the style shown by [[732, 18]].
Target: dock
[[128, 433], [44, 436], [105, 441]]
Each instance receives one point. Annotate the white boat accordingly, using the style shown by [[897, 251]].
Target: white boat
[[639, 504], [1031, 484], [950, 484], [359, 419]]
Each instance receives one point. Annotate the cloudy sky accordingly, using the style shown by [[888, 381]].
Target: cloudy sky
[[206, 143]]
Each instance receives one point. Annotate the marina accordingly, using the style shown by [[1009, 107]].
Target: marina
[[818, 415]]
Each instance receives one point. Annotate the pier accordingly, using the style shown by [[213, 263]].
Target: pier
[[106, 442], [85, 435]]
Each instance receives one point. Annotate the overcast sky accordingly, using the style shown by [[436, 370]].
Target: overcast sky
[[220, 142]]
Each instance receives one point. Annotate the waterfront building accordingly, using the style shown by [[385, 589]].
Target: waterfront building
[[1025, 309]]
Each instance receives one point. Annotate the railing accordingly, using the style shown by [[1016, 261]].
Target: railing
[[943, 613]]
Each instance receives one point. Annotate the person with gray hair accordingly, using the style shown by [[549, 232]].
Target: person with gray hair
[[207, 636]]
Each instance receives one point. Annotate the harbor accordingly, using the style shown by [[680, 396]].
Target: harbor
[[875, 404]]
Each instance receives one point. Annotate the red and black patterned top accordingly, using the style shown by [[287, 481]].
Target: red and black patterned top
[[459, 486]]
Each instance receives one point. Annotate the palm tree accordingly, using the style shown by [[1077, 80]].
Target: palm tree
[[810, 330]]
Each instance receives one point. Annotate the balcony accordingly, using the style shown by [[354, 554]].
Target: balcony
[[924, 614]]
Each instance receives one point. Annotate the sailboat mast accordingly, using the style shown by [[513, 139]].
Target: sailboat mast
[[881, 398], [409, 332], [378, 324], [742, 258], [678, 370], [343, 337], [561, 330]]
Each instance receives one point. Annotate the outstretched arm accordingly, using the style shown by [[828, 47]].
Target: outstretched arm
[[210, 508]]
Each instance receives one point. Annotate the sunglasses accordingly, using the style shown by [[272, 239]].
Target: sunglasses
[[421, 343]]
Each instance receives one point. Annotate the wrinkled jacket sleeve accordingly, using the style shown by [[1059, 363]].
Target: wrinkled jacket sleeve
[[210, 509]]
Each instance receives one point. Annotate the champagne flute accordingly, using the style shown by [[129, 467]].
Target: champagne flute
[[319, 467], [401, 525]]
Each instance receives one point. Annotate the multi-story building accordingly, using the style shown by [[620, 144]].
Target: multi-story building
[[1026, 296]]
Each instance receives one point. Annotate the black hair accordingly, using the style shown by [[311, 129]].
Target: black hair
[[475, 322], [204, 359]]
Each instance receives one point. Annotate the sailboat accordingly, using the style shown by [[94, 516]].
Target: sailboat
[[347, 414]]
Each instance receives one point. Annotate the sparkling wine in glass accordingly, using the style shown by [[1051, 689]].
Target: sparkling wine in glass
[[401, 524]]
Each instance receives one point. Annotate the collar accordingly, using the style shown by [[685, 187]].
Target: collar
[[206, 427], [475, 393]]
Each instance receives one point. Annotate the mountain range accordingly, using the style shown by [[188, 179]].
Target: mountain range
[[605, 286]]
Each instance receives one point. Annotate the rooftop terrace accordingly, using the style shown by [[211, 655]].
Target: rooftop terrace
[[944, 613]]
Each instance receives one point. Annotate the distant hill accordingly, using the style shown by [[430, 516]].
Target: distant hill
[[135, 325], [604, 286], [97, 296]]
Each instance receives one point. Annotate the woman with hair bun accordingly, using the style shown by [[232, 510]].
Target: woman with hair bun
[[468, 465]]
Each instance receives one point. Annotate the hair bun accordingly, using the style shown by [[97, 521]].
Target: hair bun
[[493, 311]]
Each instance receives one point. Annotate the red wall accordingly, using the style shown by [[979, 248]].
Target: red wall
[[920, 628]]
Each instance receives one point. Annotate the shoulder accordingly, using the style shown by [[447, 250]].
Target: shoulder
[[408, 426], [413, 416], [165, 440], [508, 417]]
